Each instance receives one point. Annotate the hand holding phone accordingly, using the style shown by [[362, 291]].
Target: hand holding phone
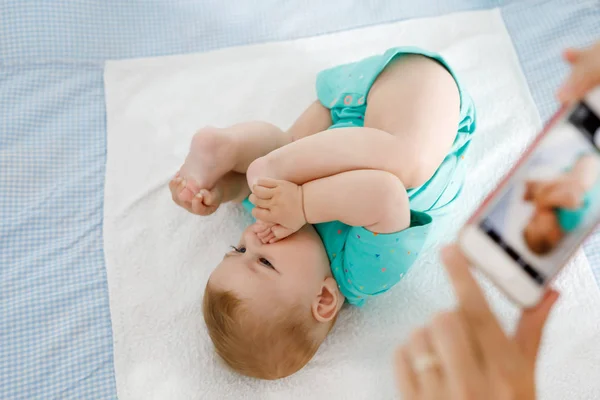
[[531, 225]]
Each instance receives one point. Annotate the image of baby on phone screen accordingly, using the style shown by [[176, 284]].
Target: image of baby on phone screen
[[562, 204]]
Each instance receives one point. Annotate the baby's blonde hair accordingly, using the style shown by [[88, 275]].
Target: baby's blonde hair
[[269, 347]]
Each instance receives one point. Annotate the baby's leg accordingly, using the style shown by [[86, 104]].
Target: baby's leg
[[214, 152], [410, 124], [219, 158], [585, 171], [316, 118]]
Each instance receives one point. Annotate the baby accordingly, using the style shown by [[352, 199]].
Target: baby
[[560, 204], [344, 203]]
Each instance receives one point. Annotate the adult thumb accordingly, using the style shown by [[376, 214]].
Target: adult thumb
[[529, 331]]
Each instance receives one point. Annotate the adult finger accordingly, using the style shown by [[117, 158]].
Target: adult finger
[[457, 351], [406, 378], [583, 78], [266, 182], [430, 377], [571, 55], [529, 331], [263, 192], [258, 201], [480, 320]]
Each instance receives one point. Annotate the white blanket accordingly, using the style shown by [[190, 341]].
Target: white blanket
[[158, 257]]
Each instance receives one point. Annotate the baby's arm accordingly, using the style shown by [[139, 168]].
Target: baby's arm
[[374, 199]]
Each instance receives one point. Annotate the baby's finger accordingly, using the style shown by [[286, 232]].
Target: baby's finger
[[264, 234], [279, 231], [258, 227], [262, 214], [259, 202], [263, 192], [266, 182], [269, 239]]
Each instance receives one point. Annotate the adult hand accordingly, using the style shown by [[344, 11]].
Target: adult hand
[[465, 354], [585, 73]]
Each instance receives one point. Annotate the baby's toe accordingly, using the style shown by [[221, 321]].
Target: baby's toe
[[174, 183], [188, 190], [212, 197], [200, 207]]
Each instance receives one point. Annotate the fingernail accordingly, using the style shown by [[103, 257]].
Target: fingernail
[[183, 183], [198, 196]]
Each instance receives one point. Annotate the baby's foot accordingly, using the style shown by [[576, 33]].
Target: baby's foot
[[204, 203], [211, 156]]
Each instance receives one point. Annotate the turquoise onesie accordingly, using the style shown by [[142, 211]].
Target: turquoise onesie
[[366, 263]]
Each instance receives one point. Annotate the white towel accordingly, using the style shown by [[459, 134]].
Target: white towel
[[158, 256]]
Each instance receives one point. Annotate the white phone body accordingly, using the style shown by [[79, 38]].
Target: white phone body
[[503, 236]]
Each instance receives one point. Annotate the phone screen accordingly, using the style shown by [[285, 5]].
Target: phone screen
[[552, 201]]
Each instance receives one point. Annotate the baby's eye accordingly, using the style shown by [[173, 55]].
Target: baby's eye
[[240, 249], [265, 262]]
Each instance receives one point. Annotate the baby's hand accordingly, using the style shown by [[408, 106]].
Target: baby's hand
[[279, 203], [268, 232]]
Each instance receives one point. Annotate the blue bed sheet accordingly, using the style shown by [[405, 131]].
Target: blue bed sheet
[[55, 331]]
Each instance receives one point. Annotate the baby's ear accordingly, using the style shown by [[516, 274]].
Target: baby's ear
[[326, 305]]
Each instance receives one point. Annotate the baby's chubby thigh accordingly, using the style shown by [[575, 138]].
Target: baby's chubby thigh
[[416, 100]]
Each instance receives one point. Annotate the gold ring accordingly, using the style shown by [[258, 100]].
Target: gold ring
[[425, 362]]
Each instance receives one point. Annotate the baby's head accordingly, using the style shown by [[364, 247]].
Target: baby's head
[[268, 307], [543, 232]]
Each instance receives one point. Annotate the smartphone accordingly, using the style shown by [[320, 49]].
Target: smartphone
[[529, 227]]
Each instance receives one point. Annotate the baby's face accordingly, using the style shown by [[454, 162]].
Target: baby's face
[[543, 231], [286, 273]]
